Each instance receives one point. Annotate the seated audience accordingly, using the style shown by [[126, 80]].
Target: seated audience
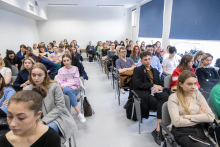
[[54, 43], [185, 64], [22, 77], [75, 53], [5, 71], [135, 54], [126, 42], [143, 44], [207, 76], [68, 79], [105, 49], [116, 43], [74, 61], [142, 47], [188, 109], [166, 55], [43, 53], [61, 49], [51, 67], [137, 43], [132, 44], [55, 114], [56, 56], [35, 49], [65, 42], [170, 63], [160, 50], [13, 59], [128, 48], [115, 57], [155, 53], [5, 94], [122, 43], [21, 54], [49, 49], [155, 62], [214, 99], [77, 46], [99, 48], [24, 112], [108, 43], [90, 49], [28, 51], [147, 84], [197, 59], [110, 54]]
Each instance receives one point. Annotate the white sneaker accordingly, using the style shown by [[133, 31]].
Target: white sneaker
[[81, 118], [122, 91]]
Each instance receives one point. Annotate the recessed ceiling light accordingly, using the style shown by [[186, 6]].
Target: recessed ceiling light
[[110, 5], [63, 4]]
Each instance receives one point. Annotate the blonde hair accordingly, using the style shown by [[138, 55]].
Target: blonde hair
[[27, 58], [3, 63], [199, 53], [180, 93], [117, 50], [204, 56]]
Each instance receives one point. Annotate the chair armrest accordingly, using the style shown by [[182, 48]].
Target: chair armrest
[[135, 95], [167, 131]]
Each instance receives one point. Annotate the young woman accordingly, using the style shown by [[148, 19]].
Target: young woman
[[77, 46], [188, 108], [56, 56], [128, 48], [143, 43], [22, 78], [105, 49], [65, 41], [74, 61], [159, 48], [214, 99], [116, 43], [142, 47], [99, 48], [51, 67], [28, 51], [197, 59], [5, 95], [122, 43], [22, 52], [55, 114], [5, 71], [49, 49], [207, 76], [68, 78], [166, 55], [116, 56], [43, 53], [75, 53], [62, 42], [35, 49], [135, 54], [137, 43], [24, 111], [13, 59], [185, 64]]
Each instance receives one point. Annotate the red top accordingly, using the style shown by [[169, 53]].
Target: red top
[[175, 76], [162, 52]]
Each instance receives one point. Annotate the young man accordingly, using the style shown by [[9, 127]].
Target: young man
[[171, 62], [61, 49], [155, 63], [126, 42], [147, 85], [124, 64], [90, 49]]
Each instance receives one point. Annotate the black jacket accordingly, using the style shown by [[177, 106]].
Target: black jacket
[[142, 86], [16, 60]]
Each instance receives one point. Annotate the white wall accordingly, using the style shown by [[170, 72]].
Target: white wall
[[84, 25], [16, 30]]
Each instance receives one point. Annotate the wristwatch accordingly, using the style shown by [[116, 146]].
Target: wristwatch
[[184, 116]]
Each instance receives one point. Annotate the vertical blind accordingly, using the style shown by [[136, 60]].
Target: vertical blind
[[195, 19], [151, 19]]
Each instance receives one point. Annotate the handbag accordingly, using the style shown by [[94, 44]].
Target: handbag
[[214, 131], [88, 111]]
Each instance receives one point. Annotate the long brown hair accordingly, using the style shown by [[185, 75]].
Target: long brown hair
[[184, 62], [199, 53], [104, 47], [2, 86], [180, 93], [71, 51]]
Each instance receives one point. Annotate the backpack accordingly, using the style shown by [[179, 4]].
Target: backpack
[[90, 59], [217, 63], [129, 110]]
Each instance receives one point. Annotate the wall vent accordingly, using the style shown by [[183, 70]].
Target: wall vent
[[31, 8]]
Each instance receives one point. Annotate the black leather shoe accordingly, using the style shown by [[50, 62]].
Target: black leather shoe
[[156, 136], [126, 105]]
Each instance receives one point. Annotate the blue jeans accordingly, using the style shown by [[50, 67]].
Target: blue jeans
[[72, 95], [54, 126]]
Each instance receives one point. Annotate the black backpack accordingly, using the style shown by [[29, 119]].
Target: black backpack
[[129, 110], [90, 59]]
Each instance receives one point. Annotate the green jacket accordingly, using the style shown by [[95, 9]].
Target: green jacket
[[214, 99]]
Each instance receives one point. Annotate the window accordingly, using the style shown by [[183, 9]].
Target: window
[[134, 17]]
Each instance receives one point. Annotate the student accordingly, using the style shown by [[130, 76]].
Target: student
[[107, 43], [170, 63], [62, 42], [22, 52], [116, 43], [207, 76], [28, 51], [166, 55], [43, 53], [56, 56], [13, 59], [137, 43], [197, 59], [146, 81], [160, 49], [155, 53], [54, 43], [105, 49], [61, 49], [122, 43], [5, 94], [214, 99], [35, 49], [65, 42], [155, 62], [55, 114], [74, 61], [51, 67], [110, 54], [90, 49], [5, 71], [143, 43], [76, 54], [132, 45], [128, 48], [126, 42], [49, 49], [22, 77], [68, 79], [185, 64], [142, 47], [96, 48], [77, 46], [188, 108], [100, 47], [115, 57], [135, 54], [24, 111]]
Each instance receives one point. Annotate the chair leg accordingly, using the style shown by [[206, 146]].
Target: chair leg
[[139, 128], [74, 141], [70, 142], [118, 94]]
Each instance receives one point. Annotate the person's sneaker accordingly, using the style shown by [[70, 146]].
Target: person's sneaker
[[156, 136], [122, 91], [81, 118]]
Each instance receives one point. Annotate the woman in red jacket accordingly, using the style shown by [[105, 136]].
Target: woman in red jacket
[[186, 63]]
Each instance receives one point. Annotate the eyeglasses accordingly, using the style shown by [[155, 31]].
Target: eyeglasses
[[123, 51]]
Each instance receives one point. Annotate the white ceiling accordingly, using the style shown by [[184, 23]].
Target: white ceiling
[[92, 3]]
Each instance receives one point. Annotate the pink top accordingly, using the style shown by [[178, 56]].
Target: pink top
[[55, 57], [69, 77]]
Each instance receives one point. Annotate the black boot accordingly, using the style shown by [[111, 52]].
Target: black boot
[[156, 136]]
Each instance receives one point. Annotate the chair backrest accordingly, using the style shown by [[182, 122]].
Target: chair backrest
[[13, 78], [56, 78], [67, 102], [167, 81], [14, 71], [166, 120]]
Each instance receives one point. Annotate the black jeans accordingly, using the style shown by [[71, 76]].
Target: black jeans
[[52, 76], [91, 52], [181, 135]]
